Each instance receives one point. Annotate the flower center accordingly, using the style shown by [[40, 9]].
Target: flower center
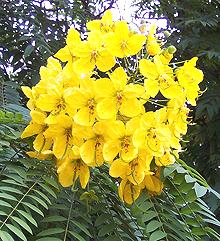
[[91, 106], [124, 45], [119, 96], [94, 56]]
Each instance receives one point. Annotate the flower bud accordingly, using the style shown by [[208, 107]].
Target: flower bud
[[171, 49], [167, 34]]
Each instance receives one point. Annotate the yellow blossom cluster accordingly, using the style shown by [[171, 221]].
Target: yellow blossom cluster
[[113, 99]]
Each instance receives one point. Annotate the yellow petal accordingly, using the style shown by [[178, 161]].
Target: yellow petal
[[148, 69], [135, 43], [133, 90], [118, 168], [66, 174], [139, 138], [129, 153], [119, 78], [83, 117], [104, 88], [87, 152], [32, 129], [73, 37], [84, 175], [60, 147], [47, 102], [128, 192], [110, 150], [131, 107], [116, 130], [64, 54], [105, 63], [38, 116], [39, 142], [27, 91], [83, 65], [136, 174], [107, 109], [151, 87]]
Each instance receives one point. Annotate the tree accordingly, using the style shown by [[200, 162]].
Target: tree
[[33, 205]]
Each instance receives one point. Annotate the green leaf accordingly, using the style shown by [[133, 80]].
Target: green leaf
[[169, 170], [34, 208], [5, 236], [51, 231], [5, 204], [112, 238], [54, 219], [52, 182], [37, 199], [28, 217], [153, 225], [148, 216], [83, 228], [43, 196], [157, 235], [16, 231], [22, 224], [48, 189], [76, 235], [191, 196], [198, 231], [7, 196], [10, 189], [49, 239], [28, 50], [108, 228], [200, 190], [102, 218]]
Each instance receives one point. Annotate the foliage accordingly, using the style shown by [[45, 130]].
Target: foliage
[[33, 206]]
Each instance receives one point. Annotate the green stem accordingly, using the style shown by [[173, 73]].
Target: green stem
[[69, 216]]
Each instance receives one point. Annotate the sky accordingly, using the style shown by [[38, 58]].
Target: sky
[[125, 10]]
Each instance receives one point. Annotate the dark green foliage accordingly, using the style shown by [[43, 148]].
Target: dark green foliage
[[33, 206]]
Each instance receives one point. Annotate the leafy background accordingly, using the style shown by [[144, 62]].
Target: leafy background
[[33, 206]]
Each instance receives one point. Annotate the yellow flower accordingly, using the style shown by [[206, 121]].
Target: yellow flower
[[122, 42], [54, 101], [104, 25], [68, 77], [128, 192], [153, 134], [153, 47], [120, 141], [67, 53], [63, 140], [84, 101], [159, 77], [153, 183], [70, 170], [177, 115], [32, 95], [135, 170], [38, 127], [189, 78], [91, 151], [49, 73], [39, 156], [93, 53], [167, 159], [116, 95]]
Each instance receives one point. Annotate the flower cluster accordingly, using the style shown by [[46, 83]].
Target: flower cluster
[[113, 99]]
